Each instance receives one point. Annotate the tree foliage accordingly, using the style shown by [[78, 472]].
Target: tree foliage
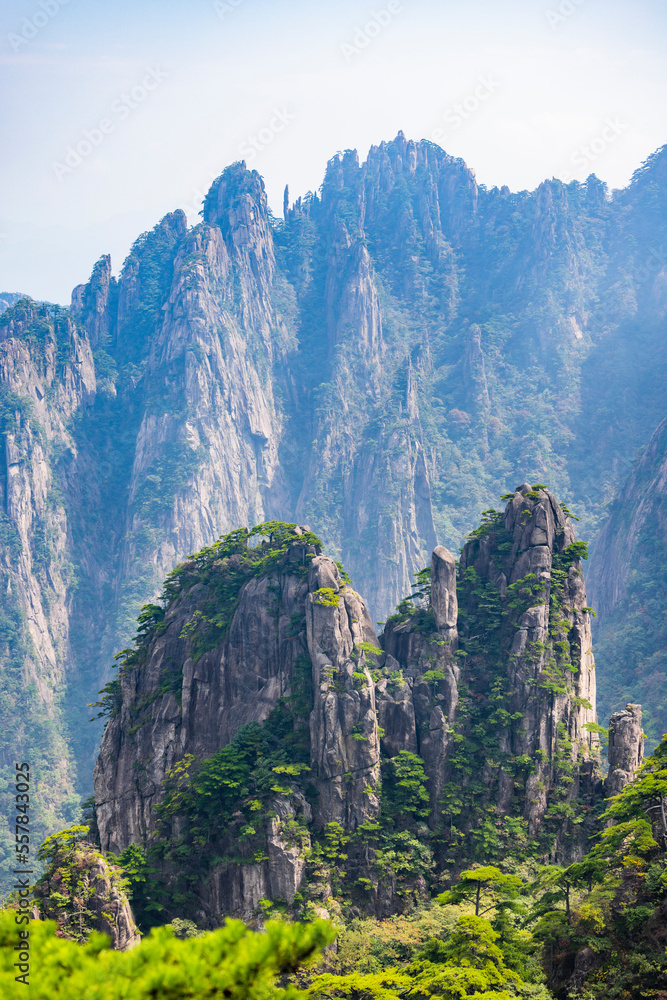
[[487, 886], [232, 962]]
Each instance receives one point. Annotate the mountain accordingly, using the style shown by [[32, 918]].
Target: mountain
[[259, 721], [629, 582], [373, 365], [8, 299]]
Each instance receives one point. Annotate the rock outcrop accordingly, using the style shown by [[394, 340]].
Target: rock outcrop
[[487, 682], [282, 620], [626, 748], [443, 591], [524, 660], [209, 699], [112, 913], [94, 303], [550, 672], [82, 891], [344, 747]]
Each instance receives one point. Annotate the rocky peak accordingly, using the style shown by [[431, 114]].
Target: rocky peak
[[191, 694], [94, 303], [82, 891], [651, 175], [483, 683], [404, 156], [530, 557], [442, 189], [147, 269], [342, 172], [236, 203]]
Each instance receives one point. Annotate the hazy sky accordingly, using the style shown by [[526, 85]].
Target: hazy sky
[[115, 112]]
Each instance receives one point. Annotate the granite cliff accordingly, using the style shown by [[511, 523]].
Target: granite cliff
[[48, 383], [260, 722], [628, 586]]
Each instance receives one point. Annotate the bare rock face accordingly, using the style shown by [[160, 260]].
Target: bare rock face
[[626, 748], [47, 384], [627, 589], [287, 861], [237, 890], [237, 682], [113, 913], [210, 406], [638, 506], [528, 559], [417, 711], [240, 681], [443, 589], [345, 748], [233, 890]]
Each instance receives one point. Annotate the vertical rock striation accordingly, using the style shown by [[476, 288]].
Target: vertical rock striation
[[242, 680], [47, 381], [345, 747], [530, 559], [626, 748], [210, 425], [628, 585]]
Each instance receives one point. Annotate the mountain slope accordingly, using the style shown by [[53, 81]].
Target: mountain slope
[[629, 584]]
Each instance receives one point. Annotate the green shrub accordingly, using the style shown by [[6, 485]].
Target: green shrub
[[327, 597], [232, 962]]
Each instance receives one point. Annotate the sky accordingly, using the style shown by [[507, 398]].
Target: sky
[[115, 112]]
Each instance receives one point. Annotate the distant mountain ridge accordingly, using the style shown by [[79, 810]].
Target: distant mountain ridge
[[629, 583], [8, 299]]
